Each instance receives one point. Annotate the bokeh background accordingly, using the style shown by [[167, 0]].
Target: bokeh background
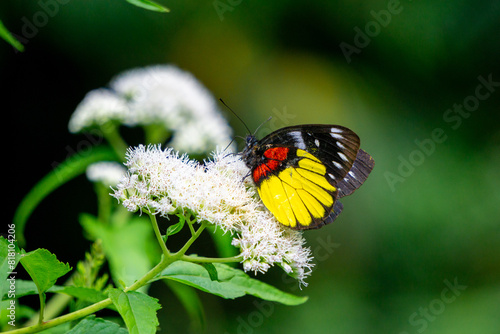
[[417, 248]]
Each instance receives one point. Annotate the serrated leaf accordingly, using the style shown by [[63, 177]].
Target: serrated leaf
[[232, 283], [44, 268], [61, 174], [137, 309], [149, 5], [94, 325]]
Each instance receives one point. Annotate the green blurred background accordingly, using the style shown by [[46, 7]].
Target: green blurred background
[[426, 219]]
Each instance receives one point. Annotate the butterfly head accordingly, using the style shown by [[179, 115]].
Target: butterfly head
[[248, 154]]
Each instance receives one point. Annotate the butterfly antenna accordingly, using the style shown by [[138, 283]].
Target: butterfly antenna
[[235, 114], [267, 120], [228, 146], [232, 140]]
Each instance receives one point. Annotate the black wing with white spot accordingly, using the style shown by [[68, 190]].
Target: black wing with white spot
[[335, 146]]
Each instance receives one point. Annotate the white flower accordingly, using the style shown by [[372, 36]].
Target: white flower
[[163, 182], [108, 173], [162, 95], [98, 107], [172, 97]]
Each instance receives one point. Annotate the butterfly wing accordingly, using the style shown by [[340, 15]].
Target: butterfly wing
[[358, 174], [299, 170]]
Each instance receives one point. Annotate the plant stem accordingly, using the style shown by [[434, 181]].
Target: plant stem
[[190, 224], [110, 132], [41, 296], [195, 236], [200, 259], [103, 203], [53, 308], [164, 248], [65, 318]]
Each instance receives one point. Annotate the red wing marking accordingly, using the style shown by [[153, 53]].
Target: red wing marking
[[276, 153], [274, 157], [260, 172]]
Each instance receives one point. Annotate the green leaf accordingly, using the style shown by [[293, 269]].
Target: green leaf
[[149, 5], [88, 294], [137, 309], [21, 312], [232, 283], [44, 268], [9, 252], [61, 174], [130, 247], [9, 258], [212, 271], [191, 302], [7, 36], [94, 325], [26, 288], [176, 228]]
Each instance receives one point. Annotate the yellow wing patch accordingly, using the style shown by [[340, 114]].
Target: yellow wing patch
[[298, 195], [273, 195], [310, 162]]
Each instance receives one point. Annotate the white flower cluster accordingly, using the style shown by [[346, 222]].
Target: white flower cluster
[[97, 108], [163, 182], [163, 95]]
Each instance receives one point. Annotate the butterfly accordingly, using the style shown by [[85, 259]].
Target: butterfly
[[302, 171]]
